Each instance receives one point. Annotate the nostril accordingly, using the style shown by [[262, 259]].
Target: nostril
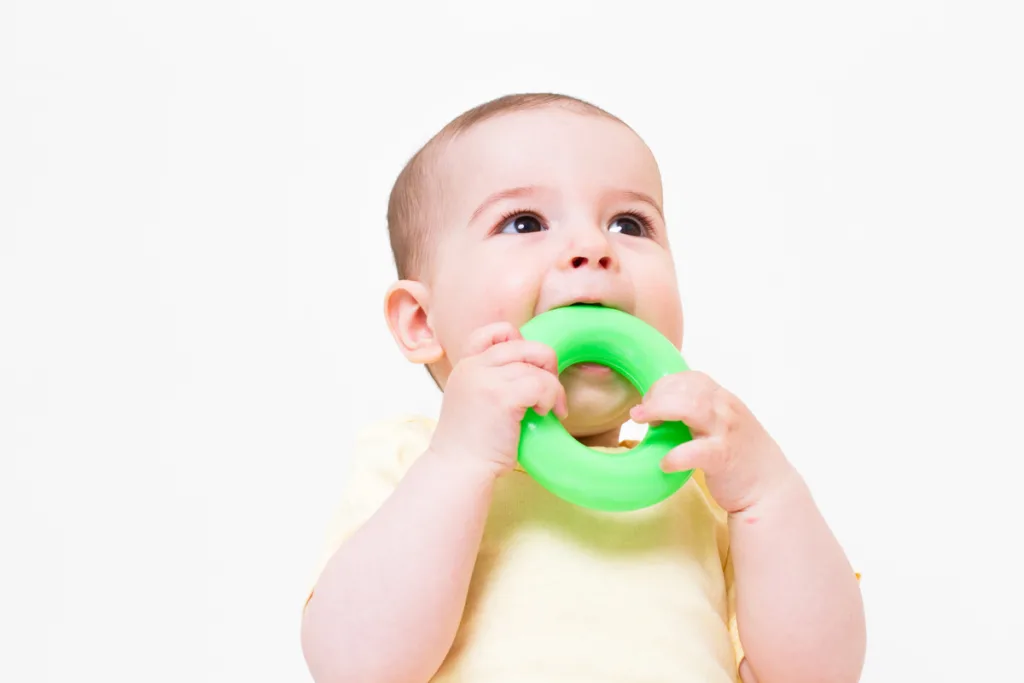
[[605, 262], [578, 261]]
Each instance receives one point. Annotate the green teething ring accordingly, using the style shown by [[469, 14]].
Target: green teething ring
[[612, 482]]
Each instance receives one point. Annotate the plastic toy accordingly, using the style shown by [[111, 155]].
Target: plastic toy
[[581, 475]]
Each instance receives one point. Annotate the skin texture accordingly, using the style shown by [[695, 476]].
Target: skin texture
[[585, 193]]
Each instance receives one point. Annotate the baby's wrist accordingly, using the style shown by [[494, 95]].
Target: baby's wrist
[[778, 486]]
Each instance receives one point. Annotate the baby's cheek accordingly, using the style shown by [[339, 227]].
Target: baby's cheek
[[663, 310], [516, 309], [513, 293]]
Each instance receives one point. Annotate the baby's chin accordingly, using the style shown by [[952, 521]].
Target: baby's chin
[[599, 400]]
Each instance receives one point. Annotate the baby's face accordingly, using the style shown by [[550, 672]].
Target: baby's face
[[544, 208]]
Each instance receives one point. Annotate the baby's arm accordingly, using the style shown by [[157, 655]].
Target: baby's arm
[[798, 603], [388, 603], [798, 606]]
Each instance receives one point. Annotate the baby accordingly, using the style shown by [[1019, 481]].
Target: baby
[[448, 563]]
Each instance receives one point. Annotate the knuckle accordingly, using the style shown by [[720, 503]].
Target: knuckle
[[539, 350], [725, 409], [536, 387], [549, 354], [704, 383], [659, 384], [699, 376], [518, 389], [480, 335], [506, 329], [719, 451]]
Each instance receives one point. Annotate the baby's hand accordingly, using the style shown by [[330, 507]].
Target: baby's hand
[[488, 393], [740, 461]]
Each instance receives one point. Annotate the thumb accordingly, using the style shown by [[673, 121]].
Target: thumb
[[489, 335], [694, 454], [639, 415]]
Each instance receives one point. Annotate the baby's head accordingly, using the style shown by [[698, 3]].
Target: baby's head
[[523, 204]]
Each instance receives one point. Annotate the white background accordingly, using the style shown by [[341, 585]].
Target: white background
[[193, 257]]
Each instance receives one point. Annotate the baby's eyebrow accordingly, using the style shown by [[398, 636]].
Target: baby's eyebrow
[[511, 193], [638, 196], [528, 190]]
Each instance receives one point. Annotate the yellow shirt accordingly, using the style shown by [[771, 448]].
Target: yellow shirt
[[561, 593]]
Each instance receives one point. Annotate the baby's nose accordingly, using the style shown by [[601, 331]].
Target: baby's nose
[[604, 262]]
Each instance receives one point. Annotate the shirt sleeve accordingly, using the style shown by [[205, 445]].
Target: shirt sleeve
[[734, 631], [381, 456]]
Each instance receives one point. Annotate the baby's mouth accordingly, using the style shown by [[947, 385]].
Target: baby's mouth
[[595, 369]]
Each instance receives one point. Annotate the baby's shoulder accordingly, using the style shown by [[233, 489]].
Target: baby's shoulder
[[392, 443], [397, 427]]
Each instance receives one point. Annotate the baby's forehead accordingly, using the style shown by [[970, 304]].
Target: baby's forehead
[[554, 148]]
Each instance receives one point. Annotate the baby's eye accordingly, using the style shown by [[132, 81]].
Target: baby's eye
[[628, 225], [522, 223]]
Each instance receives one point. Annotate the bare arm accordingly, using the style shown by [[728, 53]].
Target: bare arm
[[798, 603], [388, 603]]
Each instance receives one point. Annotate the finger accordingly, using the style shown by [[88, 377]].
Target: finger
[[687, 397], [532, 353], [694, 454], [636, 414], [489, 335], [562, 404], [546, 396], [543, 394], [536, 389]]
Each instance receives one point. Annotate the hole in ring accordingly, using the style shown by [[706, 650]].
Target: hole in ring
[[592, 377]]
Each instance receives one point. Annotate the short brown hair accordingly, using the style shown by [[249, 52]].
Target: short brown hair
[[409, 204]]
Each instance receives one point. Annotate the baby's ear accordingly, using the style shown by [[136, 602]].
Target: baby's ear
[[406, 305]]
